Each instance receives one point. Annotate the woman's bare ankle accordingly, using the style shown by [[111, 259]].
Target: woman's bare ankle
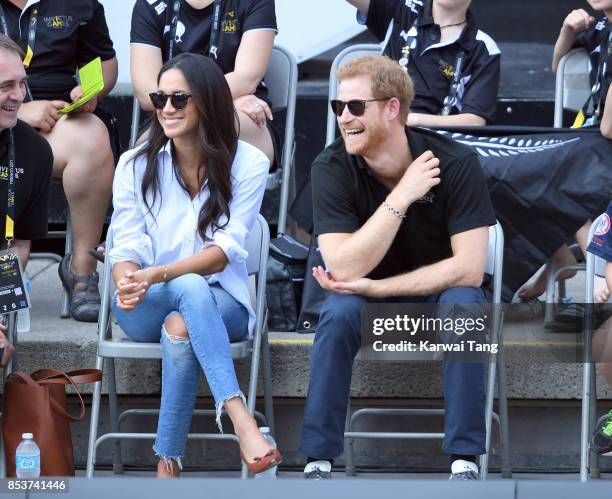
[[168, 468]]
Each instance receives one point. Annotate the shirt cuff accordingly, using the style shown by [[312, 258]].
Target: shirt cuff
[[233, 251], [139, 251]]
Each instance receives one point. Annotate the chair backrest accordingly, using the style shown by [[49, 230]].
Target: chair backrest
[[572, 85], [342, 58], [595, 265], [281, 81], [495, 259], [281, 78]]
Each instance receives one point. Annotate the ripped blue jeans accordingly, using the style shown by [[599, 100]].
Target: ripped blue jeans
[[213, 318]]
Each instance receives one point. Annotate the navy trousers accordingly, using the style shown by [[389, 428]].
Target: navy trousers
[[337, 341]]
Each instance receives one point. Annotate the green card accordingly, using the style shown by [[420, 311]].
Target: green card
[[92, 83]]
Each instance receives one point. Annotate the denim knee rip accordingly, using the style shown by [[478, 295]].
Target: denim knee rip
[[174, 338], [219, 408]]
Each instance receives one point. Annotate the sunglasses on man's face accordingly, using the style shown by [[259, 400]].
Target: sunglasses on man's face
[[356, 107], [178, 100]]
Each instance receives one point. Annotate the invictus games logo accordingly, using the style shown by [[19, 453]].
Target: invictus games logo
[[56, 22], [230, 23]]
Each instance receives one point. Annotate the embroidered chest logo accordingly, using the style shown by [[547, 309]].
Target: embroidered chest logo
[[230, 23], [447, 69], [56, 22], [4, 173], [428, 198]]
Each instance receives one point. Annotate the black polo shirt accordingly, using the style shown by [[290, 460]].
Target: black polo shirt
[[593, 40], [346, 195], [33, 167], [431, 65], [151, 21], [69, 34]]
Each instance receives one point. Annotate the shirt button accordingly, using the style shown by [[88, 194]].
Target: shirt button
[[432, 38]]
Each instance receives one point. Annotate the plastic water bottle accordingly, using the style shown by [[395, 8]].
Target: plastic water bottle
[[23, 315], [270, 473], [27, 458]]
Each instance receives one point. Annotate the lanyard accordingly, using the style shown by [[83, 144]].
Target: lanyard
[[410, 45], [451, 99], [214, 33], [10, 210], [605, 51], [31, 39]]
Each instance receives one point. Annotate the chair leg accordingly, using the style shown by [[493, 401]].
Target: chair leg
[[490, 395], [549, 306], [267, 379], [585, 420], [349, 454], [93, 425], [593, 421], [114, 414], [502, 380], [65, 312]]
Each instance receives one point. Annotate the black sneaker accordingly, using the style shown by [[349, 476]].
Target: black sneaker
[[464, 470], [601, 440], [318, 470]]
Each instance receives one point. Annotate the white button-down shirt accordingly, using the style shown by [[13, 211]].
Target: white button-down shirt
[[170, 233]]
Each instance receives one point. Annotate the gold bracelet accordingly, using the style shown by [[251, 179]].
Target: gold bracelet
[[393, 210], [165, 273]]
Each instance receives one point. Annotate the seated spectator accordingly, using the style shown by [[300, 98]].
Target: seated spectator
[[33, 163], [579, 30], [402, 215], [65, 35], [241, 46], [33, 158], [601, 246], [184, 202], [431, 39]]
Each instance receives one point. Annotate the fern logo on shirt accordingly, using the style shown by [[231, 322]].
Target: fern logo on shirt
[[56, 22]]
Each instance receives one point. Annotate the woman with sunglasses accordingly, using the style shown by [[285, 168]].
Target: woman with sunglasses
[[237, 34], [184, 203], [454, 66]]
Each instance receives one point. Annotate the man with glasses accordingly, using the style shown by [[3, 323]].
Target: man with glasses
[[58, 37], [401, 215]]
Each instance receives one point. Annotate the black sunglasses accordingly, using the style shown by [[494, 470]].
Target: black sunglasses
[[178, 100], [356, 107]]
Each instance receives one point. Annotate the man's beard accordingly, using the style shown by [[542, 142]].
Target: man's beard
[[371, 139]]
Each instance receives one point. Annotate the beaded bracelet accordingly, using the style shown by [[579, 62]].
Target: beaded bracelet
[[393, 210]]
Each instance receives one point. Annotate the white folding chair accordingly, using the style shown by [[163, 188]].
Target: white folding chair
[[494, 268], [594, 266], [572, 88], [281, 81], [110, 348]]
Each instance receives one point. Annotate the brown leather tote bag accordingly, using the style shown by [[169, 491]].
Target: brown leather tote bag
[[37, 404]]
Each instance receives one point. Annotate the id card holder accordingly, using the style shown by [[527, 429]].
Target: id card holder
[[13, 294]]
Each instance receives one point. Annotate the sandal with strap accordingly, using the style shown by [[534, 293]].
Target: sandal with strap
[[84, 303]]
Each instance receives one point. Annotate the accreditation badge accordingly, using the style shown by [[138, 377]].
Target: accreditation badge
[[13, 294]]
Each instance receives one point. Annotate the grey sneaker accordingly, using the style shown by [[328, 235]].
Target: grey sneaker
[[464, 470], [318, 470]]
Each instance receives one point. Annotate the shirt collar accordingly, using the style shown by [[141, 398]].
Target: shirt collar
[[468, 35]]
